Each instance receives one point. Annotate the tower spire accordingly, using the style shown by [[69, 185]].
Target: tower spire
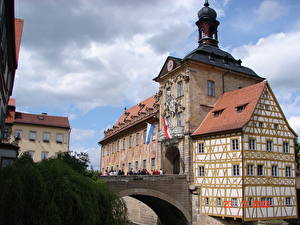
[[206, 4], [208, 26]]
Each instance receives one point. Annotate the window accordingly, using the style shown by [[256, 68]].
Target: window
[[260, 170], [219, 202], [267, 107], [218, 113], [130, 141], [118, 145], [206, 201], [241, 108], [270, 201], [179, 89], [288, 201], [46, 137], [31, 153], [153, 164], [18, 134], [235, 170], [32, 135], [144, 136], [168, 118], [129, 167], [112, 147], [252, 144], [6, 161], [250, 170], [235, 144], [269, 145], [124, 143], [250, 200], [180, 119], [168, 92], [201, 171], [274, 171], [276, 126], [136, 165], [234, 202], [44, 155], [210, 88], [144, 164], [201, 148], [261, 124], [59, 138], [137, 139], [288, 171], [285, 147]]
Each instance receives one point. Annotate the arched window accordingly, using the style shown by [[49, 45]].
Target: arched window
[[210, 88]]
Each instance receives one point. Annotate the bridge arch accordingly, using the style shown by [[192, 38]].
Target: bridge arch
[[168, 210]]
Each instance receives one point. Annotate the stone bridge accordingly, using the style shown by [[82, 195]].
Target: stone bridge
[[167, 195]]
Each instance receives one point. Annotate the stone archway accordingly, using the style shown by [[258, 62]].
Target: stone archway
[[172, 161], [168, 210]]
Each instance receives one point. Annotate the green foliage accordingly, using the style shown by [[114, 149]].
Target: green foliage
[[56, 192]]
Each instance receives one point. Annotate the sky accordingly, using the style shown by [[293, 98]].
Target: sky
[[89, 59]]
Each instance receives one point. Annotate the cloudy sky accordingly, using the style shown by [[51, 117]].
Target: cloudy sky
[[88, 59]]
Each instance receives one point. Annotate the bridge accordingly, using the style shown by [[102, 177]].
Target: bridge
[[167, 195]]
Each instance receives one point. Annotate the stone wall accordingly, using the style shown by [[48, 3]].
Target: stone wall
[[139, 213]]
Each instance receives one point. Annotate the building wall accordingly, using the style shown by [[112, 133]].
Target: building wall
[[114, 157], [278, 187], [219, 184], [39, 146]]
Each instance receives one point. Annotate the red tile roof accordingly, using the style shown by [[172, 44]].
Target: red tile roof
[[12, 102], [132, 116], [42, 120], [230, 119], [18, 35]]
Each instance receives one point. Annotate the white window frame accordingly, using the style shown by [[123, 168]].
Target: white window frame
[[200, 148], [288, 201], [58, 139], [137, 139], [18, 133], [235, 170], [46, 136], [211, 90], [269, 145], [44, 155], [201, 171], [32, 135], [252, 144], [235, 144], [274, 171], [234, 202], [206, 201], [250, 170], [286, 146], [180, 119], [288, 171], [153, 164], [262, 170], [179, 89]]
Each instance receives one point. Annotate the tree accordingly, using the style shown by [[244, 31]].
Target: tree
[[297, 152], [56, 192]]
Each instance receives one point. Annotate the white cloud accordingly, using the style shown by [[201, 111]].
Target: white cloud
[[295, 123], [271, 9], [79, 135], [93, 57], [275, 57]]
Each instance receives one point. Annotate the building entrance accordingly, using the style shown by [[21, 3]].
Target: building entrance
[[172, 161]]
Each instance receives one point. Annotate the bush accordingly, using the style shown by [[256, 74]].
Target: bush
[[56, 192]]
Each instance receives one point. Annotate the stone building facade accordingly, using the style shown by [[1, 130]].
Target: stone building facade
[[190, 89]]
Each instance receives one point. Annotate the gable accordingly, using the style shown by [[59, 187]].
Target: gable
[[176, 62], [269, 113]]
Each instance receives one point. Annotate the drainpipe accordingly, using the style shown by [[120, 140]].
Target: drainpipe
[[223, 81]]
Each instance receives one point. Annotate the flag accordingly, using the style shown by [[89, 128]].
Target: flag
[[150, 130], [166, 128]]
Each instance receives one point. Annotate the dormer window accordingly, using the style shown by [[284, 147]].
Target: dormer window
[[218, 113], [241, 108]]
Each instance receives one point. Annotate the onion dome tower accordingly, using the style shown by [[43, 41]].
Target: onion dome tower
[[208, 26]]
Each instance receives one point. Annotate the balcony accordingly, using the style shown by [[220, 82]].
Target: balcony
[[176, 132]]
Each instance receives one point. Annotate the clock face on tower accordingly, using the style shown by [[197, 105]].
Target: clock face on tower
[[170, 65]]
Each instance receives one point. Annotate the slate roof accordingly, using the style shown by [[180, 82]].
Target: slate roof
[[230, 119], [212, 55]]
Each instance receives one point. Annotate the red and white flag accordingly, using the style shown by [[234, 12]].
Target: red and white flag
[[166, 128]]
